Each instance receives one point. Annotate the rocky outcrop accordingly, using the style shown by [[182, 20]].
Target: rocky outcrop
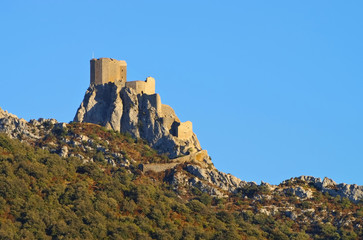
[[351, 191], [29, 132], [12, 125], [226, 182], [181, 178], [194, 169], [19, 128], [142, 115], [299, 192]]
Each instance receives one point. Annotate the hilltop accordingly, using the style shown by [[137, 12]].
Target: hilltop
[[128, 168], [81, 180]]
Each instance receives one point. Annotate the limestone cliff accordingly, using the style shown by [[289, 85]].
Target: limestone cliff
[[142, 115]]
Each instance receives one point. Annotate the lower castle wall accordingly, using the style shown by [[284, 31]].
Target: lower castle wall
[[149, 85], [184, 130], [155, 101], [168, 117], [143, 87], [138, 86], [160, 167]]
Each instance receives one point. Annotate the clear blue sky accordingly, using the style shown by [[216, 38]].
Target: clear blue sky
[[273, 88]]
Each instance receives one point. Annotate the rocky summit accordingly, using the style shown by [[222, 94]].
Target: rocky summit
[[123, 109]]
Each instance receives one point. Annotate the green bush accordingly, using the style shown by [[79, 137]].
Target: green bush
[[44, 196]]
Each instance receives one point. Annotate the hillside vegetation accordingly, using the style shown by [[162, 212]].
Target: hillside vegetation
[[99, 192]]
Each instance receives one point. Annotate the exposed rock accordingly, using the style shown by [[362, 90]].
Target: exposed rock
[[269, 210], [15, 127], [212, 177], [351, 191], [265, 211], [141, 115], [64, 152], [291, 214], [299, 192], [270, 187], [61, 126], [180, 178]]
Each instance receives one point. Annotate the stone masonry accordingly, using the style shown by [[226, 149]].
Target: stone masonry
[[141, 87], [105, 70]]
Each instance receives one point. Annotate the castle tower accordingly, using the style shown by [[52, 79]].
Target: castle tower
[[105, 70]]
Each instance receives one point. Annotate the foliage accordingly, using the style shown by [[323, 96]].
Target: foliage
[[44, 196]]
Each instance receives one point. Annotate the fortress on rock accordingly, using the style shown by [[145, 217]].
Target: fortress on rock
[[105, 70], [108, 70]]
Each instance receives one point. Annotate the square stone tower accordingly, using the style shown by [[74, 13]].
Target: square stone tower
[[105, 70]]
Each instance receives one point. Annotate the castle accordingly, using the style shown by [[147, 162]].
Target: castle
[[106, 70]]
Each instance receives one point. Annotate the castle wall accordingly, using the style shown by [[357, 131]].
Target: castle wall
[[155, 102], [138, 86], [168, 117], [104, 70], [143, 87], [160, 167], [149, 85], [158, 103], [184, 130]]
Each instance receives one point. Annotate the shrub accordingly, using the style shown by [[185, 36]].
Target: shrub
[[197, 206]]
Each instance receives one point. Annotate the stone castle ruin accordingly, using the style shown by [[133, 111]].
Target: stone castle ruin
[[106, 70], [134, 107]]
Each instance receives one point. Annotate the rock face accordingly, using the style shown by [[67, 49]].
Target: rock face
[[299, 192], [142, 115], [208, 180], [12, 125], [142, 119], [351, 191], [19, 128]]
